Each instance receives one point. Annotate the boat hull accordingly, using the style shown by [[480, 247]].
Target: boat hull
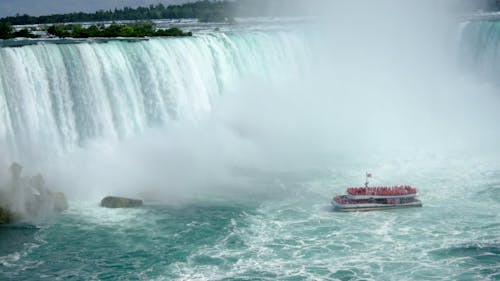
[[373, 207]]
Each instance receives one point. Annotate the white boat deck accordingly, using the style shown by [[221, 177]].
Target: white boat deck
[[374, 206]]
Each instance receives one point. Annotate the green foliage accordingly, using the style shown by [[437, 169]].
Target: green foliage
[[58, 30], [5, 30], [5, 216], [203, 10], [172, 32], [138, 29], [24, 33]]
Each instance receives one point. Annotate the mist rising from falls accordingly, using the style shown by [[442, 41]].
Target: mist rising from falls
[[168, 117]]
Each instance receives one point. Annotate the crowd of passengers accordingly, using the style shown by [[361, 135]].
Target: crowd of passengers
[[343, 201], [382, 190]]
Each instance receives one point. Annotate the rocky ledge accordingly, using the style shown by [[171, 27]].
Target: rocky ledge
[[5, 216], [28, 198], [120, 202]]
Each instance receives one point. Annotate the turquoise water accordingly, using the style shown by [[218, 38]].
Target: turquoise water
[[288, 233], [243, 172]]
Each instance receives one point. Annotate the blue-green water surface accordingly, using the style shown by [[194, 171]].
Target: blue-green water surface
[[289, 234]]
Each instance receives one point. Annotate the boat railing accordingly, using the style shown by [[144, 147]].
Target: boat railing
[[382, 190]]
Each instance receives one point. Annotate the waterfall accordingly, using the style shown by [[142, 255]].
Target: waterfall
[[57, 97], [480, 48]]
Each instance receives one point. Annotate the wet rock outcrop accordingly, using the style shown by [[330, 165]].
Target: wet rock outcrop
[[120, 202], [28, 198], [5, 216]]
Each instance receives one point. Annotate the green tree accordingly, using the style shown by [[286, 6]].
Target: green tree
[[24, 33], [5, 30], [58, 30], [204, 10]]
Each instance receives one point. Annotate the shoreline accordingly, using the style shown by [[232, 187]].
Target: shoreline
[[21, 42]]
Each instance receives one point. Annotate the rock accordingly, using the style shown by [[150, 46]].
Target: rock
[[28, 198], [60, 201], [5, 216], [120, 202]]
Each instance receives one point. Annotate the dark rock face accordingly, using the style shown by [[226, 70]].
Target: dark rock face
[[5, 216], [120, 202]]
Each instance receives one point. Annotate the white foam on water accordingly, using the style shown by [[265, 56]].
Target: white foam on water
[[298, 237], [91, 213]]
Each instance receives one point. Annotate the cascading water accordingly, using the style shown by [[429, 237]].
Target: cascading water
[[479, 48], [55, 97]]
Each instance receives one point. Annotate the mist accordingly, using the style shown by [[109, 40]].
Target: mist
[[383, 79]]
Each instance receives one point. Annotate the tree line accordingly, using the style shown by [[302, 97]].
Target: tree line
[[138, 29], [7, 32], [205, 11]]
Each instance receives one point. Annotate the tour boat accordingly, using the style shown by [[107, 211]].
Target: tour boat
[[376, 198]]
